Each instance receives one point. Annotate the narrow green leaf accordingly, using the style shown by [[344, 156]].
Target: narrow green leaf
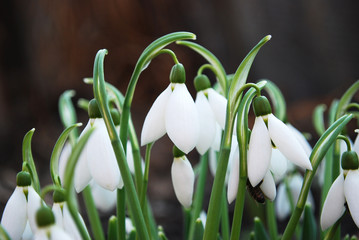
[[213, 60], [240, 76], [318, 119], [56, 152], [346, 98], [132, 235], [66, 108], [198, 229], [259, 230], [112, 233], [309, 229], [278, 101], [27, 157]]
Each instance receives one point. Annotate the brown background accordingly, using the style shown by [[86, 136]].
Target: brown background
[[47, 47]]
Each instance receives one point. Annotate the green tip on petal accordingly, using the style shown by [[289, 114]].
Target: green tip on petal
[[44, 217], [93, 110], [58, 196], [177, 153], [201, 82], [23, 179], [350, 160], [261, 106], [178, 74], [116, 117]]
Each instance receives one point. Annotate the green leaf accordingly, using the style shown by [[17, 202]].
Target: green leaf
[[309, 230], [346, 98], [318, 119], [240, 76], [66, 108], [259, 230], [198, 229], [56, 152], [213, 60], [278, 101], [27, 157], [112, 233]]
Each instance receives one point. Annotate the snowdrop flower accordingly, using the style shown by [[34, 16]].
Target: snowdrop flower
[[267, 129], [173, 112], [130, 160], [21, 207], [105, 200], [47, 229], [282, 202], [182, 178], [97, 160], [344, 191], [63, 217]]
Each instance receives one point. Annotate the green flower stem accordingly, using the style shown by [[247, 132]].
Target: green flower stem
[[27, 157], [112, 233], [55, 155], [167, 51], [145, 178], [199, 194], [243, 138], [346, 140], [50, 188], [319, 150], [318, 119], [121, 213], [68, 183], [92, 214], [213, 60], [271, 220], [101, 97], [224, 217], [207, 66], [145, 58]]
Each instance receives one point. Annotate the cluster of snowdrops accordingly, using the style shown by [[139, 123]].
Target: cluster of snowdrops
[[272, 161]]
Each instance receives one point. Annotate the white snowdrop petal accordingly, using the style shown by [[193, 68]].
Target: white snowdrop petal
[[59, 234], [268, 186], [219, 106], [183, 180], [56, 209], [154, 125], [216, 144], [129, 157], [33, 204], [259, 152], [101, 158], [14, 217], [181, 117], [212, 161], [82, 174], [69, 224], [27, 235], [333, 207], [207, 123], [278, 164], [282, 205], [351, 193], [287, 143], [64, 157], [41, 234], [232, 188], [104, 199], [301, 139]]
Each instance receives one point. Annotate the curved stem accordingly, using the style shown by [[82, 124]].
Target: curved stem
[[346, 140], [170, 52], [207, 66]]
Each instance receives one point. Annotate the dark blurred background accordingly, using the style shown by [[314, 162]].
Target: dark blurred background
[[47, 47]]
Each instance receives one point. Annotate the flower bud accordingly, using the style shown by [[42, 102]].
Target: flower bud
[[44, 217], [261, 106], [58, 196], [23, 179], [201, 82], [116, 117], [350, 160], [178, 74], [93, 110]]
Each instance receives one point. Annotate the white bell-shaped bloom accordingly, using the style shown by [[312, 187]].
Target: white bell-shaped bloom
[[173, 112], [64, 220], [20, 210], [268, 186], [183, 180], [105, 200], [233, 179], [98, 160], [207, 123], [282, 202], [343, 190], [130, 160], [260, 147], [218, 104]]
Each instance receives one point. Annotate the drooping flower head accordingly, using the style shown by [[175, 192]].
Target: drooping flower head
[[268, 129], [343, 190], [182, 178], [97, 160], [173, 112], [21, 207]]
